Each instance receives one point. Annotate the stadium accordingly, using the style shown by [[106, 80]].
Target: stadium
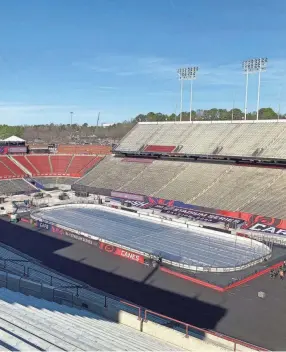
[[168, 233]]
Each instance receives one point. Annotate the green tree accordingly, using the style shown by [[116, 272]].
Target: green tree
[[267, 114], [236, 113]]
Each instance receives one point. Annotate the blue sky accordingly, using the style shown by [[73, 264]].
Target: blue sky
[[120, 57]]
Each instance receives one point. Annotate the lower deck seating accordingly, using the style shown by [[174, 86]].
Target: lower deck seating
[[56, 180], [53, 165], [15, 186], [29, 323], [212, 185], [8, 169], [60, 163], [112, 173], [81, 163], [41, 163]]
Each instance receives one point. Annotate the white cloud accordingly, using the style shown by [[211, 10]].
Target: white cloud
[[131, 66]]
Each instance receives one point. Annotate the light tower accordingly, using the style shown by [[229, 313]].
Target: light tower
[[187, 74], [253, 66]]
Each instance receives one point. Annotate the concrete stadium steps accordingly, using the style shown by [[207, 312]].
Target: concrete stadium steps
[[35, 324], [251, 138]]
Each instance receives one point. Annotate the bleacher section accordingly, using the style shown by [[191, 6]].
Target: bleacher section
[[8, 169], [60, 163], [41, 163], [15, 186], [55, 180], [55, 165], [81, 163], [29, 323], [212, 185], [252, 139], [112, 173]]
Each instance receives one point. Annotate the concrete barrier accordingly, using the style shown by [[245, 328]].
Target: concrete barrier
[[179, 339]]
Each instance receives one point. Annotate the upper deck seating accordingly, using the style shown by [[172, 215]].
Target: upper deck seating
[[263, 139]]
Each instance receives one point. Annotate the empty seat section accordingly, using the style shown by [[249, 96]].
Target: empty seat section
[[55, 180], [191, 181], [237, 187], [141, 134], [270, 201], [248, 139], [60, 163], [112, 173], [9, 169], [41, 163], [5, 172], [13, 167], [22, 159], [91, 164], [153, 177], [15, 186], [78, 163]]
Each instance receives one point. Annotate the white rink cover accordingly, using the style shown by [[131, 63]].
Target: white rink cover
[[192, 246]]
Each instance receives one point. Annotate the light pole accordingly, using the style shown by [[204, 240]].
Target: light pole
[[187, 74], [254, 66]]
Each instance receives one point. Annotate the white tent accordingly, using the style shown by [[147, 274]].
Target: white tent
[[14, 139]]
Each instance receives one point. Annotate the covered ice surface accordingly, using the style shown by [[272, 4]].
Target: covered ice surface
[[187, 246]]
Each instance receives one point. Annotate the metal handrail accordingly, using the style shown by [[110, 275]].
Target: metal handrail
[[204, 331]]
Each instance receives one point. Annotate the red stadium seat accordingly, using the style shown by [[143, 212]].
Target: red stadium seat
[[8, 169]]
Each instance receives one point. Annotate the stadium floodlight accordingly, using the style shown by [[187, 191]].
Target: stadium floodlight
[[187, 74], [253, 66]]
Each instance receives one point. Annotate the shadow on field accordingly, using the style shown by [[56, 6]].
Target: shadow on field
[[71, 259]]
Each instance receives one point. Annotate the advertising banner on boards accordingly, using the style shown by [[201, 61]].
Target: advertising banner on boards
[[121, 252], [64, 233]]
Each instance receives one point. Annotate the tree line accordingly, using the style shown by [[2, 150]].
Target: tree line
[[212, 115], [83, 133]]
